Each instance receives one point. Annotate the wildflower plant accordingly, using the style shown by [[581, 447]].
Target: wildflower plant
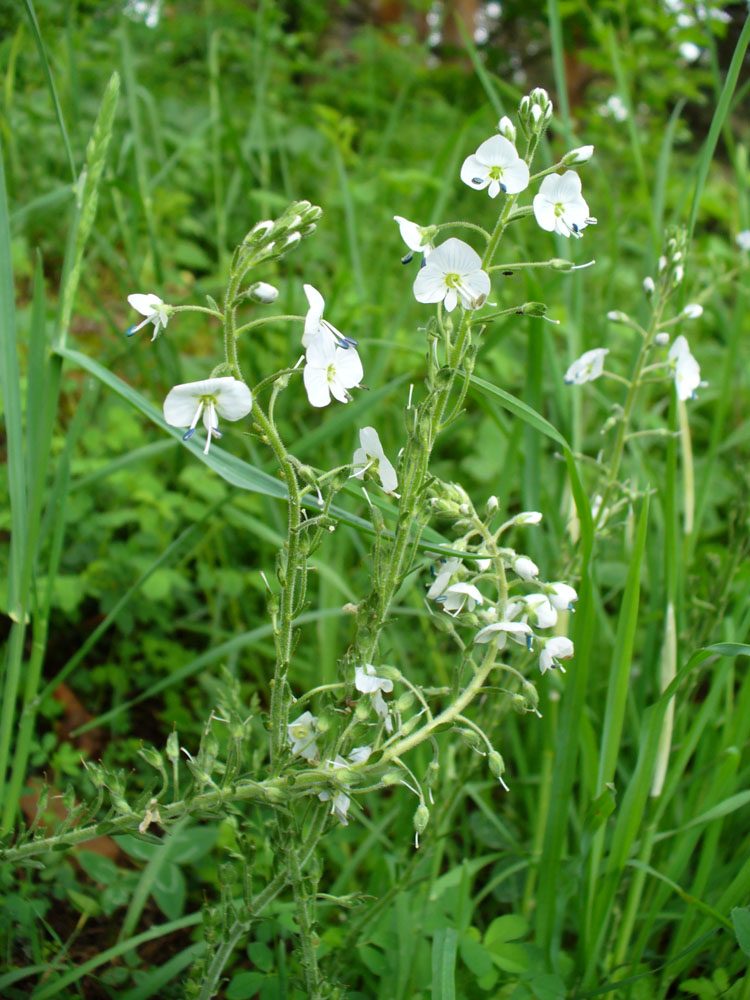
[[327, 746]]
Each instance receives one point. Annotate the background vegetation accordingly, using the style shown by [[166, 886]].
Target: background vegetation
[[139, 569]]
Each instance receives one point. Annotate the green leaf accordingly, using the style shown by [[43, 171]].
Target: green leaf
[[244, 985], [741, 919], [522, 410], [444, 964], [169, 891], [507, 928], [475, 956]]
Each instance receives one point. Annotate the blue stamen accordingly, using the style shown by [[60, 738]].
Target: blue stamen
[[529, 641], [476, 180], [188, 434], [347, 342], [574, 227], [571, 608], [504, 189], [407, 258], [423, 263], [130, 331]]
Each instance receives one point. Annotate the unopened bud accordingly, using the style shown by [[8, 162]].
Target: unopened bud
[[173, 746], [648, 286], [152, 757], [261, 291], [492, 504], [527, 517], [692, 311], [507, 129], [388, 672], [616, 316], [662, 339], [579, 155]]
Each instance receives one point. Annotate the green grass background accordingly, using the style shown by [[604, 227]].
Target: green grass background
[[133, 569]]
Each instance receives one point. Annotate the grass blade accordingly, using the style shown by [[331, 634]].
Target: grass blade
[[444, 945], [51, 84]]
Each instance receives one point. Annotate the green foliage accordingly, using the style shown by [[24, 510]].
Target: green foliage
[[134, 566]]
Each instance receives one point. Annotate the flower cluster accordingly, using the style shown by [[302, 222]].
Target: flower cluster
[[453, 272], [518, 615]]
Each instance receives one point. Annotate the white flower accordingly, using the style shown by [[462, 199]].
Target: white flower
[[452, 270], [317, 328], [497, 166], [586, 368], [459, 594], [142, 10], [301, 735], [501, 630], [225, 397], [417, 238], [581, 154], [359, 755], [524, 567], [330, 371], [372, 456], [561, 596], [687, 373], [616, 107], [559, 206], [448, 568], [559, 647], [539, 608], [339, 800], [367, 681], [692, 311], [155, 311], [743, 239]]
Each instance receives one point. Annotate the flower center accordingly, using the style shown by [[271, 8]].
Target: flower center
[[559, 209], [453, 280], [331, 372]]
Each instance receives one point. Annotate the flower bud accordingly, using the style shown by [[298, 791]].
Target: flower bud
[[389, 673], [152, 757], [173, 746], [492, 504], [648, 286], [525, 568], [618, 317], [528, 517], [692, 311], [261, 291], [662, 339], [579, 155], [507, 129]]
